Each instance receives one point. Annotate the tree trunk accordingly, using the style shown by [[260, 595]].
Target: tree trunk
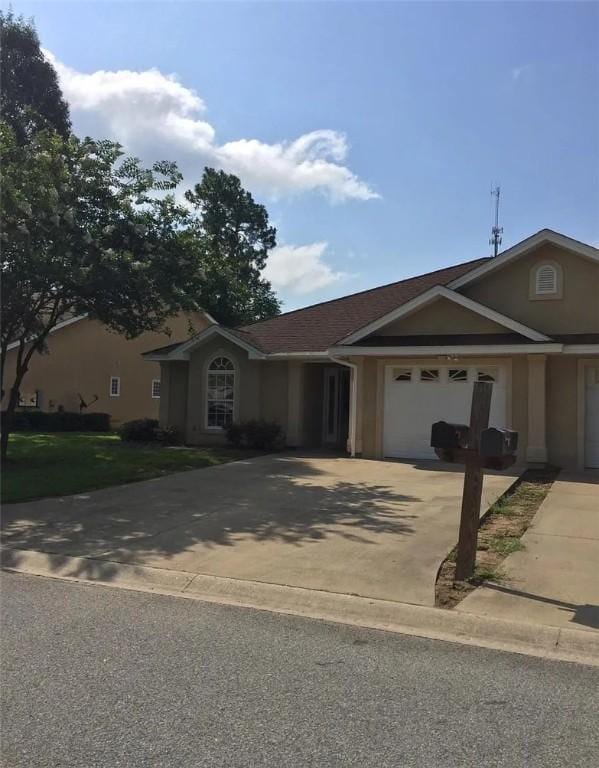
[[7, 421]]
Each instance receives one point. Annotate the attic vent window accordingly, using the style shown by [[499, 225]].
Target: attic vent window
[[546, 280]]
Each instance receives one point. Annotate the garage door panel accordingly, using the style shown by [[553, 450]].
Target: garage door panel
[[412, 405]]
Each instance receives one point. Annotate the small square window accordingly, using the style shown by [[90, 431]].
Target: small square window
[[155, 388], [115, 386], [402, 374], [458, 374], [429, 374]]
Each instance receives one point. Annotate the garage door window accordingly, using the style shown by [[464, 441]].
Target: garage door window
[[402, 374], [458, 374], [487, 374], [429, 374]]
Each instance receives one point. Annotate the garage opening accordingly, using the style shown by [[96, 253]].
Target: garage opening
[[418, 395]]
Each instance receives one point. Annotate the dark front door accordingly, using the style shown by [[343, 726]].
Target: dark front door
[[336, 407]]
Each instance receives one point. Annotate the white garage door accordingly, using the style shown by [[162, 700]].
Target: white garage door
[[591, 420], [417, 396]]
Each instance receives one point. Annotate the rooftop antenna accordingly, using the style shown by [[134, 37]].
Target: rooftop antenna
[[496, 230]]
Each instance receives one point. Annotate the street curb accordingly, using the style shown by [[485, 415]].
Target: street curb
[[555, 643]]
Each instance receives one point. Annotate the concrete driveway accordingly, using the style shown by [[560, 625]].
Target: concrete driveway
[[372, 528]]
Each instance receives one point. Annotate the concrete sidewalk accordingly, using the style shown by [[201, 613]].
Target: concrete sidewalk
[[554, 580]]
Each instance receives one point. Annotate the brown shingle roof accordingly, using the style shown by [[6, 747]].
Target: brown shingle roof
[[316, 328]]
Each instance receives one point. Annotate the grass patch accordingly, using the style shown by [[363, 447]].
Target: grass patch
[[61, 463], [503, 545], [498, 536]]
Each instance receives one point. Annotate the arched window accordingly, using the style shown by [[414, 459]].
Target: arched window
[[546, 280], [220, 393]]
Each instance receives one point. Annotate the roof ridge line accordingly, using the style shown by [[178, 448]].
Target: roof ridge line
[[359, 293]]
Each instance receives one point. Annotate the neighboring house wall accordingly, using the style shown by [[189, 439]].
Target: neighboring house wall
[[84, 355], [507, 290]]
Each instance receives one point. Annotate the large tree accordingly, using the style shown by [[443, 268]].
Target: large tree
[[233, 235], [84, 231], [30, 97]]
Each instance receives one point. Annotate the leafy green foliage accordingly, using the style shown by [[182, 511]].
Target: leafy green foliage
[[233, 234], [138, 430], [30, 98], [60, 421], [259, 434]]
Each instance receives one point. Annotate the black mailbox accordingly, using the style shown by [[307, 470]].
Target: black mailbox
[[449, 436], [495, 443]]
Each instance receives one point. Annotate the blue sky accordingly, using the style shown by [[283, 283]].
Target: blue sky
[[372, 131]]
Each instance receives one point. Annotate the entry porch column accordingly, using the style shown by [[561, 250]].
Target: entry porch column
[[536, 450]]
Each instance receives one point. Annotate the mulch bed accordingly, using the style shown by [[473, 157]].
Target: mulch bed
[[498, 536]]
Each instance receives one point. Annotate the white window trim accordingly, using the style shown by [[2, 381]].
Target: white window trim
[[207, 372], [155, 397], [118, 392]]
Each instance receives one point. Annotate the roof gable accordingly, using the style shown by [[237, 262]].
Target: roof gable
[[316, 328], [435, 294], [522, 248]]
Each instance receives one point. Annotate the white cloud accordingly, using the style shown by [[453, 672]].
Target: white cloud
[[300, 269], [154, 116]]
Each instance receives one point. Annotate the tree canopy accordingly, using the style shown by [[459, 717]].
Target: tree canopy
[[30, 98], [233, 235], [86, 230]]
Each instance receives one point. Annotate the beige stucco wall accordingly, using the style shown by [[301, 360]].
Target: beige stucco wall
[[441, 316], [247, 389], [562, 410], [173, 397], [84, 355], [507, 290]]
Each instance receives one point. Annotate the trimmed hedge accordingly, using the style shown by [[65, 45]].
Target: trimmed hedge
[[58, 421], [148, 431], [258, 434]]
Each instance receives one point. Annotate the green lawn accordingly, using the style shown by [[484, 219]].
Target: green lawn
[[53, 464]]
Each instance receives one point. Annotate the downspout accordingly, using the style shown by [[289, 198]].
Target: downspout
[[353, 402]]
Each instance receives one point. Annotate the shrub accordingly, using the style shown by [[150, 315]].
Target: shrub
[[138, 431], [259, 434], [148, 431], [59, 421], [168, 436]]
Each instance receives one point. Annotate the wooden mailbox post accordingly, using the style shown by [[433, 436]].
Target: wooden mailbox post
[[462, 443]]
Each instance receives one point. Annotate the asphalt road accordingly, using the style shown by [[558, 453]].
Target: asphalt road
[[94, 676]]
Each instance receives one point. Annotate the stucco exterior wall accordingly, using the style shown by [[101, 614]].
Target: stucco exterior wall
[[442, 316], [507, 290], [247, 389], [83, 356], [173, 396], [562, 410], [273, 392]]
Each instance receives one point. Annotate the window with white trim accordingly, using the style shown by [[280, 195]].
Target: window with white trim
[[155, 388], [115, 386], [220, 393], [546, 280]]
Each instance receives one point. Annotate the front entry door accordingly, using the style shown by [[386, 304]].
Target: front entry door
[[336, 406]]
